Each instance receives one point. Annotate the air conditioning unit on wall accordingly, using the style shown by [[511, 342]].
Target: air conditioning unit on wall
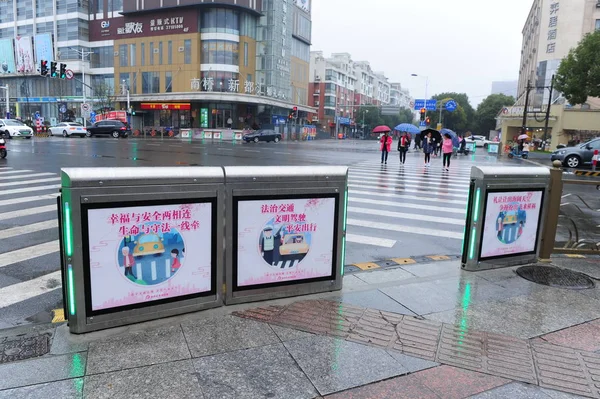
[[116, 53], [155, 51]]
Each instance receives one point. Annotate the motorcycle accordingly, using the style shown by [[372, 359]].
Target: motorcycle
[[515, 153], [2, 148]]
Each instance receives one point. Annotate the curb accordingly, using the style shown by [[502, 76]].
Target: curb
[[395, 262]]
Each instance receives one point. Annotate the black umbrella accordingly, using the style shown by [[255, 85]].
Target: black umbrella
[[437, 136]]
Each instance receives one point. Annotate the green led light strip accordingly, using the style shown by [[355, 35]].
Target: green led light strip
[[344, 233], [477, 199], [71, 289], [472, 246], [68, 236]]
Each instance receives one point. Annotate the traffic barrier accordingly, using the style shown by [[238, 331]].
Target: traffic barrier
[[505, 213], [144, 243], [586, 173]]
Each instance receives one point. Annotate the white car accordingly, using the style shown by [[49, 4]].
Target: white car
[[10, 128], [480, 141], [68, 129]]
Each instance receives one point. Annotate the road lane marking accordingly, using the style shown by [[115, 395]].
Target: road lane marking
[[406, 205], [29, 289], [405, 229], [283, 153], [224, 149], [27, 212], [26, 176], [14, 171], [402, 184], [21, 200], [408, 216], [410, 189], [20, 183], [413, 172], [29, 189], [405, 196], [23, 254], [30, 228], [251, 150], [407, 179], [367, 240], [5, 168]]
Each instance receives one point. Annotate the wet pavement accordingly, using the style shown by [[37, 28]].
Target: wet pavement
[[417, 331]]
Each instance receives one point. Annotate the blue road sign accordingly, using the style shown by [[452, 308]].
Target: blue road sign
[[422, 124], [431, 105], [451, 106], [37, 115], [419, 104], [93, 117]]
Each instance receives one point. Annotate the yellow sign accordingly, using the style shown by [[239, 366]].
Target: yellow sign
[[439, 127]]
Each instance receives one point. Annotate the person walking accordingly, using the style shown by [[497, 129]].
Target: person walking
[[403, 146], [386, 146], [447, 148], [428, 147]]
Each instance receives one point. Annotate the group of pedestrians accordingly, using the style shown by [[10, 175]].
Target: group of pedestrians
[[428, 143]]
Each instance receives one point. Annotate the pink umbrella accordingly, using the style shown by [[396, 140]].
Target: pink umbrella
[[382, 129]]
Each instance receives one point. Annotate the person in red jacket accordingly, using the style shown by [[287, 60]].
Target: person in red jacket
[[385, 147]]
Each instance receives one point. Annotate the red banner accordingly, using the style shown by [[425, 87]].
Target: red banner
[[171, 106]]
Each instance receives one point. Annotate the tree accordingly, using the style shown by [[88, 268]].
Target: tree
[[104, 96], [461, 120], [578, 76], [485, 117], [371, 116]]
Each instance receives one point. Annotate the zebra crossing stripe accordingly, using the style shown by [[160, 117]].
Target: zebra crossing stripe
[[29, 289], [30, 228], [407, 183], [26, 176], [352, 192], [29, 189], [21, 200], [23, 254], [27, 212], [398, 189], [405, 229], [20, 183], [410, 179], [431, 172], [15, 171], [367, 240], [400, 215], [406, 205]]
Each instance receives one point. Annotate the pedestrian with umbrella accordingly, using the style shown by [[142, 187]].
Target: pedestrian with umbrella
[[403, 146], [385, 142]]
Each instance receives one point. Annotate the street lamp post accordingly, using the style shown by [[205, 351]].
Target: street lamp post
[[126, 89], [426, 82], [83, 54], [366, 111]]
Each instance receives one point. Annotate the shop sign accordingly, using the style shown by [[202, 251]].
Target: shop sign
[[511, 223], [144, 254], [166, 106], [552, 27], [204, 117], [131, 28], [284, 240], [207, 84]]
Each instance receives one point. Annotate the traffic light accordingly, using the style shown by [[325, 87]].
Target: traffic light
[[53, 73], [63, 71], [423, 112], [295, 111], [43, 67], [291, 115], [428, 121]]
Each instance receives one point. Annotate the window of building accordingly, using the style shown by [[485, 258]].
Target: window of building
[[160, 53], [43, 8], [102, 57], [24, 10], [150, 82], [98, 6], [124, 80], [108, 81], [220, 52], [67, 6], [143, 54], [7, 13], [7, 33], [248, 25], [598, 24], [220, 20], [123, 58], [132, 49], [300, 50], [151, 54], [24, 30], [44, 27], [170, 53], [116, 6], [187, 51], [302, 27], [168, 82], [72, 29], [245, 54]]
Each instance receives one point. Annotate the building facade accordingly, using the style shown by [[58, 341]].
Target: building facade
[[180, 63]]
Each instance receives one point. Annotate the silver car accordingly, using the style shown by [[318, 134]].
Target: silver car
[[68, 129], [574, 157]]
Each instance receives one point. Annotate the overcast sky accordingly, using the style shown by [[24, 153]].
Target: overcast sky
[[462, 45]]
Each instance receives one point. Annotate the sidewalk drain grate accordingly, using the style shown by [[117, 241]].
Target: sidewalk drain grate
[[556, 277], [22, 348]]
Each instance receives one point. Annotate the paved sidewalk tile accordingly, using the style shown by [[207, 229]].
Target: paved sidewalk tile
[[41, 370], [144, 348], [335, 365], [585, 337], [64, 342], [517, 390], [454, 383], [374, 299], [265, 372], [65, 389], [224, 334], [407, 387], [412, 364], [289, 334], [175, 380]]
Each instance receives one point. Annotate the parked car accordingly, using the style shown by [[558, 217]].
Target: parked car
[[10, 128], [263, 135], [68, 129], [480, 141], [574, 157], [113, 128]]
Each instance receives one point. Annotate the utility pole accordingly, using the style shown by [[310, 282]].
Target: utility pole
[[7, 101], [83, 55], [524, 125], [548, 111]]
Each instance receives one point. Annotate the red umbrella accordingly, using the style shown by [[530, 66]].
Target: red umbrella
[[382, 129]]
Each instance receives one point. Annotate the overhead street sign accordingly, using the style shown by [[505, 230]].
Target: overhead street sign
[[430, 105]]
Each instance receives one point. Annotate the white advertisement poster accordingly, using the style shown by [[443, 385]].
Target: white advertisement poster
[[149, 253], [43, 47], [511, 223], [284, 240], [24, 53]]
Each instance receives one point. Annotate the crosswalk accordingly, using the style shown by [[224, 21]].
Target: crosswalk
[[393, 211]]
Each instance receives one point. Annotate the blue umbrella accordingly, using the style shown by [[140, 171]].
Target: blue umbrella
[[452, 135], [408, 128]]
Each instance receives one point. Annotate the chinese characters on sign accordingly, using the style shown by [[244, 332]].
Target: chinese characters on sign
[[552, 27], [131, 28], [207, 84], [173, 23]]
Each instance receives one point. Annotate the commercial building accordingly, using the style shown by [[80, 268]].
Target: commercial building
[[178, 63], [506, 87], [339, 86], [552, 29]]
